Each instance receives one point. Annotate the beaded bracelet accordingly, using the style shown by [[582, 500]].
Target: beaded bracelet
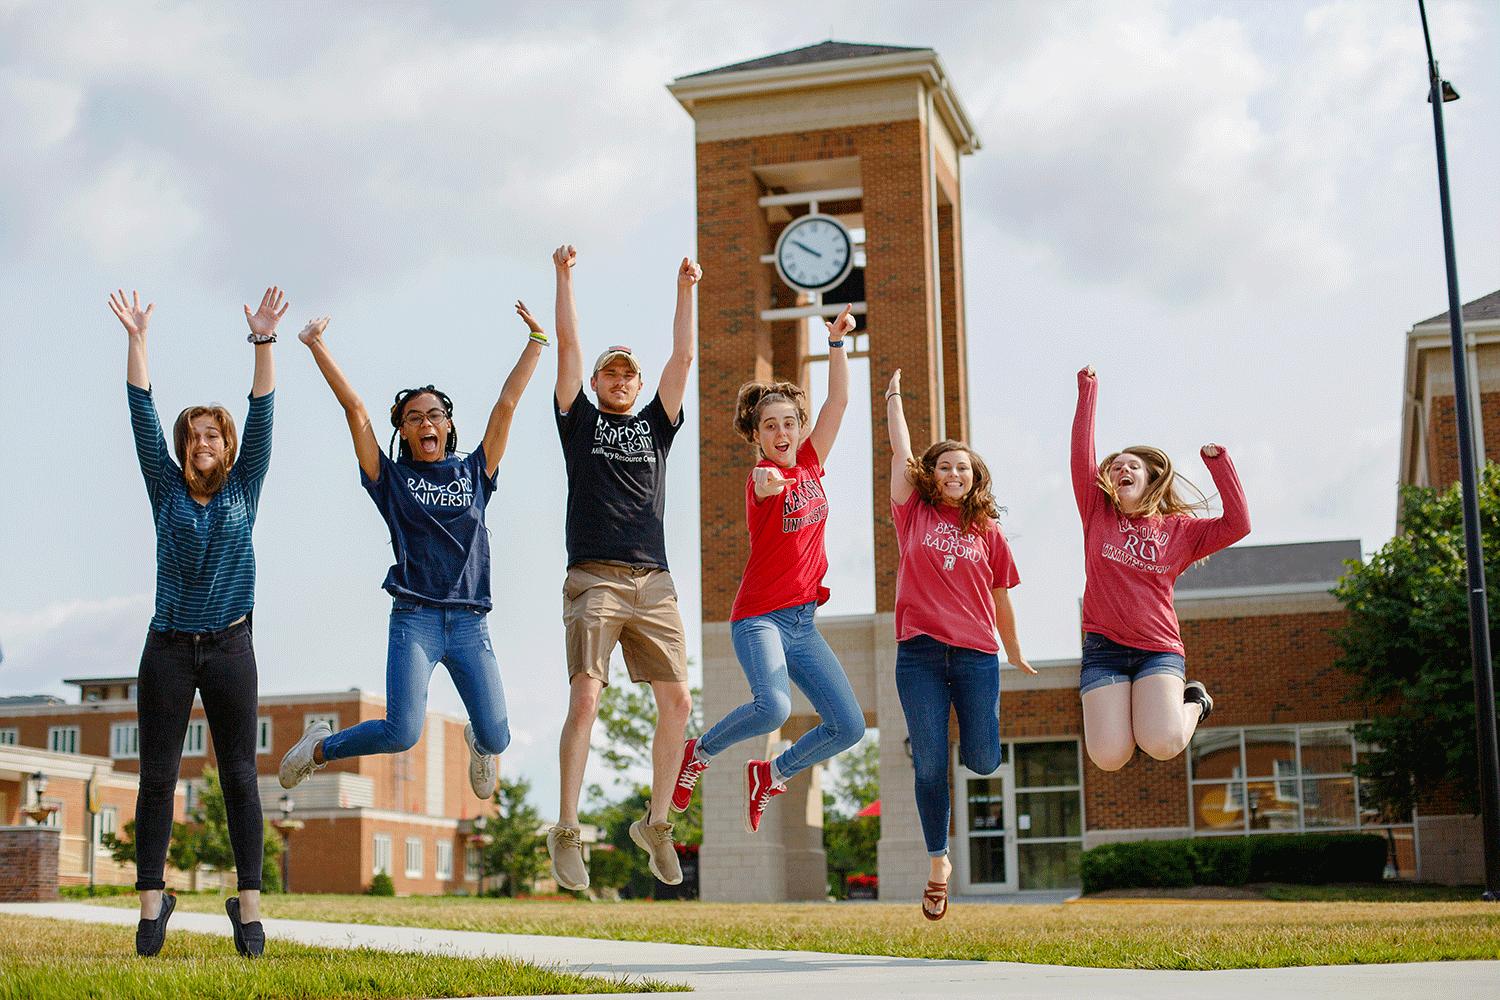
[[255, 338]]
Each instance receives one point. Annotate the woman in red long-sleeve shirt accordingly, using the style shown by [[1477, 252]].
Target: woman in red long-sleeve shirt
[[1140, 531]]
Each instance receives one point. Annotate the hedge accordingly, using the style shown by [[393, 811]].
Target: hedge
[[1307, 858]]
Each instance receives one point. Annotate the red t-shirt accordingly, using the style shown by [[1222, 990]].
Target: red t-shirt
[[1133, 563], [946, 577], [787, 557]]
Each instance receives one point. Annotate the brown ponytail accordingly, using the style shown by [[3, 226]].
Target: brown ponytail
[[755, 395]]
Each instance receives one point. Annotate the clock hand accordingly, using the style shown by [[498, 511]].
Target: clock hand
[[798, 243]]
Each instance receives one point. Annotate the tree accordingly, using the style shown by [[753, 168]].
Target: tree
[[516, 849], [850, 841], [1406, 641]]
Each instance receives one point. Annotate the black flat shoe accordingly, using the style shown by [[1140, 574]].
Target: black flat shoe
[[249, 939], [151, 934]]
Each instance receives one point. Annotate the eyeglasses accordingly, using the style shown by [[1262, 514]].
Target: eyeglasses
[[417, 418]]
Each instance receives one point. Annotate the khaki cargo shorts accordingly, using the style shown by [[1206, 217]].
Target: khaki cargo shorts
[[636, 607]]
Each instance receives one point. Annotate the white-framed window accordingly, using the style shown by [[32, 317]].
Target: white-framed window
[[194, 741], [382, 853], [62, 739], [125, 740], [263, 734], [443, 859], [472, 869], [9, 737], [413, 857], [106, 822], [332, 718], [189, 796], [130, 690]]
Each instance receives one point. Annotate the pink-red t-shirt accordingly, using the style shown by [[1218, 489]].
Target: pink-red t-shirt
[[946, 578], [1133, 563], [787, 558]]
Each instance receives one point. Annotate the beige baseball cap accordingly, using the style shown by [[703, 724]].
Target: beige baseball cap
[[617, 351]]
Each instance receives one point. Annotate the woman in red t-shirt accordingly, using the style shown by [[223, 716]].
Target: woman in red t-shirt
[[952, 596], [771, 623], [1140, 531]]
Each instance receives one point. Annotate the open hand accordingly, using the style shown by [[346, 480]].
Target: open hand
[[313, 331], [1020, 662], [894, 386], [1211, 450], [689, 273], [273, 306], [525, 314], [130, 314], [768, 481], [841, 326], [564, 257]]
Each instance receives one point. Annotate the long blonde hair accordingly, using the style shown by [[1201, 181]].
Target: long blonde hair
[[1166, 493], [754, 396], [210, 482]]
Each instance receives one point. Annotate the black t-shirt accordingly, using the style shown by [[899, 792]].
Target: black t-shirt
[[617, 480]]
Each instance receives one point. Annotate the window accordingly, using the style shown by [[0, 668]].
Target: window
[[189, 796], [9, 737], [1049, 814], [472, 870], [413, 857], [444, 860], [382, 853], [62, 739], [105, 823], [125, 740], [263, 734], [193, 741], [332, 718]]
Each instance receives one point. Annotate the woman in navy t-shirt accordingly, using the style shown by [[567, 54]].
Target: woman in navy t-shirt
[[433, 502]]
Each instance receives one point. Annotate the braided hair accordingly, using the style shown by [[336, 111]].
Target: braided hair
[[398, 411]]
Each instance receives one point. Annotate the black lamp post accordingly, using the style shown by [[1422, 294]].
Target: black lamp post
[[1440, 91], [285, 825]]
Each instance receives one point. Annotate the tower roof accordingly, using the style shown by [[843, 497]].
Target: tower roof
[[828, 51], [1485, 307], [1265, 566]]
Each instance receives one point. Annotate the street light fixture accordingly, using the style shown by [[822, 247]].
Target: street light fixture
[[284, 826]]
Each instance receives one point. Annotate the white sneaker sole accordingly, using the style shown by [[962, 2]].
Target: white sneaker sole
[[641, 842]]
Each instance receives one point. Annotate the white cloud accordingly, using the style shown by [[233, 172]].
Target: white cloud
[[70, 638]]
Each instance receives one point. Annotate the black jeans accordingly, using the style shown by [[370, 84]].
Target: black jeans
[[219, 666]]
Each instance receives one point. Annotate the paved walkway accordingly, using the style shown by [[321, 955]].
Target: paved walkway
[[734, 973]]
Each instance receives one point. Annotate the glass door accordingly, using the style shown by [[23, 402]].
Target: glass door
[[985, 846]]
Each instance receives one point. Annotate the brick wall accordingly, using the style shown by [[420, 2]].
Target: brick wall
[[28, 864], [1442, 436]]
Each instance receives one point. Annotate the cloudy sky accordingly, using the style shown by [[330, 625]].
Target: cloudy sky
[[1229, 208]]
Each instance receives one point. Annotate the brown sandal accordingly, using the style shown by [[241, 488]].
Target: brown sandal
[[937, 892]]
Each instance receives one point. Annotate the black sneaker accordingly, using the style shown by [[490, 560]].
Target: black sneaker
[[1195, 691], [151, 934], [249, 939]]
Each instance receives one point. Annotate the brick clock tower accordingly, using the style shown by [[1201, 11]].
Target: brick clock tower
[[842, 142]]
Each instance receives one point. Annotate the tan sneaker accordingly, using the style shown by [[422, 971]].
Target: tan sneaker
[[565, 847], [656, 840]]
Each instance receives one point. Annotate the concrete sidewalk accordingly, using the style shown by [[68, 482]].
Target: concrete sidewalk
[[735, 973]]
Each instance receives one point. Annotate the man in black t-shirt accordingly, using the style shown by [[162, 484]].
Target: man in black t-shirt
[[618, 589]]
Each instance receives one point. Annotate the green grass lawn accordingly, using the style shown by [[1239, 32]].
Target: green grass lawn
[[65, 960], [1134, 934]]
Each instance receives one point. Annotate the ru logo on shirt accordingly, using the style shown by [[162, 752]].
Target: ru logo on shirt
[[948, 561]]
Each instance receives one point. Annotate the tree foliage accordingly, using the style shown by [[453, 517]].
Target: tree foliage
[[515, 849], [850, 841], [1406, 641]]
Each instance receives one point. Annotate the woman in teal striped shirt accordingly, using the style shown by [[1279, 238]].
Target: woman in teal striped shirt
[[200, 641]]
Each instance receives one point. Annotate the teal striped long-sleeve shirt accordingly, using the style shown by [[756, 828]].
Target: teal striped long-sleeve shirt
[[205, 563]]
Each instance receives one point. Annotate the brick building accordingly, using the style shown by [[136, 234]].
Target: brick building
[[409, 815]]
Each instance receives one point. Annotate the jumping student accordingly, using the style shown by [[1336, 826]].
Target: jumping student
[[618, 590], [200, 641], [1140, 531], [952, 594], [433, 502], [772, 625]]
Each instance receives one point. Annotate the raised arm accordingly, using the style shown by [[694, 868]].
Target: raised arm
[[498, 429], [895, 419], [366, 446], [826, 428], [273, 306], [1221, 532], [674, 376], [569, 348], [1005, 624], [145, 425], [1084, 463], [135, 320]]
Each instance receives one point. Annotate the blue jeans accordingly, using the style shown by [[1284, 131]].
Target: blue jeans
[[931, 676], [774, 649], [420, 637], [1107, 662]]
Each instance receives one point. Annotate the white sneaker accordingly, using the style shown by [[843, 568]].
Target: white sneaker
[[484, 776], [298, 762]]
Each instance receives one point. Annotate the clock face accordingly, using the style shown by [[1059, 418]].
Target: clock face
[[814, 253]]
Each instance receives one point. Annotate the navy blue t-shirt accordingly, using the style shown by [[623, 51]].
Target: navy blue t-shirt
[[435, 511]]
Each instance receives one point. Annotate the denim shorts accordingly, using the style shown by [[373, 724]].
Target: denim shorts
[[1107, 662]]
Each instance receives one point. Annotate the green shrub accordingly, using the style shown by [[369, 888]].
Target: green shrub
[[381, 885], [1221, 860], [1317, 858], [82, 891], [1300, 858], [1155, 863]]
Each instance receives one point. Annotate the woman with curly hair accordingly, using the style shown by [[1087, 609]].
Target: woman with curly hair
[[952, 596], [1141, 529], [771, 623]]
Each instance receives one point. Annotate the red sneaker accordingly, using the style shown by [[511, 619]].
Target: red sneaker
[[687, 776], [758, 792]]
